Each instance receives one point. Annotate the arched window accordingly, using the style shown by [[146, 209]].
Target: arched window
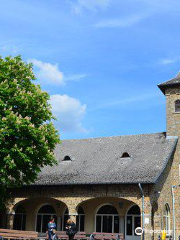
[[64, 219], [107, 219], [43, 216], [166, 218], [133, 220], [177, 105], [19, 218], [80, 220]]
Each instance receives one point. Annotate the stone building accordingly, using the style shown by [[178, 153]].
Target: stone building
[[109, 184]]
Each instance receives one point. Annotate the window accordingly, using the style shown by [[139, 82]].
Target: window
[[134, 210], [43, 216], [67, 158], [125, 155], [19, 218], [64, 219], [166, 218], [177, 106], [133, 220], [80, 220], [107, 219]]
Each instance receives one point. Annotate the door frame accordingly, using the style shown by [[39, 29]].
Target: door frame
[[133, 215]]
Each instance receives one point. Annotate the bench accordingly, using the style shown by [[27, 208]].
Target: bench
[[18, 234], [63, 235], [108, 236]]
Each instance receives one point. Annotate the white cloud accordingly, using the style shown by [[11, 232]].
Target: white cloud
[[121, 22], [69, 113], [9, 49], [167, 61], [50, 74], [91, 5], [75, 77]]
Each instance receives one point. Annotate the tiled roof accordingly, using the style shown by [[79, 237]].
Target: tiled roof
[[98, 160], [170, 83]]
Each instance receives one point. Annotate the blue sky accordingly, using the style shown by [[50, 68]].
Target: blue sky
[[100, 60]]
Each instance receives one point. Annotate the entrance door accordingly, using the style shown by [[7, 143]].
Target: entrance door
[[133, 220], [137, 223]]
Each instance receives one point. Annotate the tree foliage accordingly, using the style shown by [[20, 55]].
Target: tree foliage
[[27, 134]]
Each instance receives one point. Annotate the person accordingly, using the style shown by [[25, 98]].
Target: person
[[51, 228], [71, 229]]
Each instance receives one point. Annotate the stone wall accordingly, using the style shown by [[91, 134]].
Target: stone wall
[[90, 197], [173, 129]]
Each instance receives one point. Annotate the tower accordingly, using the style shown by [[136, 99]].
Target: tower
[[171, 90]]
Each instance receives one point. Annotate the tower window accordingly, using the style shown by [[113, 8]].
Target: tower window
[[177, 106]]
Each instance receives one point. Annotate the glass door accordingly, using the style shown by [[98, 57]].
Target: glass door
[[132, 222]]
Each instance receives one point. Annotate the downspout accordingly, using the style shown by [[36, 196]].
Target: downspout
[[173, 208], [142, 192]]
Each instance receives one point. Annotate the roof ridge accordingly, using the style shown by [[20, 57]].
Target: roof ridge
[[105, 137]]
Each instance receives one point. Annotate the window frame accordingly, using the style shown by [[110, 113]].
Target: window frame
[[79, 216], [177, 101], [22, 217], [23, 221], [167, 218], [42, 215], [113, 215]]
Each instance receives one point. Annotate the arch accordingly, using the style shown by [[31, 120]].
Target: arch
[[47, 209], [80, 210], [11, 206], [132, 205], [134, 210], [107, 219], [19, 218], [101, 205], [20, 209], [41, 205], [45, 212]]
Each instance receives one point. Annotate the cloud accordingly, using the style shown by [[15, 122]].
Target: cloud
[[167, 61], [91, 5], [50, 74], [9, 49], [69, 113], [121, 22], [75, 77]]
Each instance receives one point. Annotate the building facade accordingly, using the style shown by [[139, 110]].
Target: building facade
[[111, 184]]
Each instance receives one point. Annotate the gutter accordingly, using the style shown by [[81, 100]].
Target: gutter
[[173, 187], [174, 220], [142, 192]]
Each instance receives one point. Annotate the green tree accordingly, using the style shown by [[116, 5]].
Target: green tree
[[27, 134]]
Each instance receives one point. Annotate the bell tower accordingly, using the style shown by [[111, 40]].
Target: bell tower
[[171, 89]]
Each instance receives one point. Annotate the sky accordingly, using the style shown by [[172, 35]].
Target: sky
[[100, 60]]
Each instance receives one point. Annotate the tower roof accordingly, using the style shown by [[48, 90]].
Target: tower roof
[[170, 83]]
